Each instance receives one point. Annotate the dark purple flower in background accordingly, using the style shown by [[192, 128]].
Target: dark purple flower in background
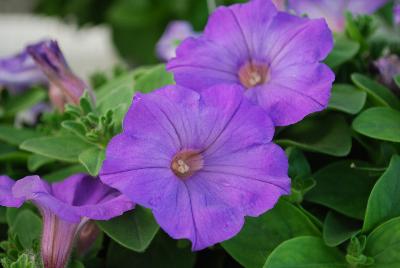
[[174, 34], [65, 86], [66, 207], [20, 72], [201, 162], [396, 13], [334, 10], [388, 67], [274, 57]]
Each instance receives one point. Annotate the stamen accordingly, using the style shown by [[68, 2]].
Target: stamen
[[186, 163], [253, 74]]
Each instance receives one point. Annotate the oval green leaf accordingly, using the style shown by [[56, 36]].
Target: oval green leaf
[[380, 123], [339, 228], [383, 244], [384, 201], [261, 235], [378, 94], [134, 229], [327, 134], [343, 51], [343, 188], [305, 251], [347, 99]]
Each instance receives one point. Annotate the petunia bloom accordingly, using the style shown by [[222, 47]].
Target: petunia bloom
[[174, 34], [19, 72], [334, 11], [396, 13], [65, 86], [388, 67], [66, 207], [280, 4], [201, 162], [274, 57]]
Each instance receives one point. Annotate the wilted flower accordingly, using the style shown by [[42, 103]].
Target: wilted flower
[[174, 34], [201, 162], [334, 11], [20, 72], [66, 208], [65, 86], [274, 57]]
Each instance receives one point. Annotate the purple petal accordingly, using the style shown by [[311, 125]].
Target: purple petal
[[20, 72], [76, 197], [7, 198], [365, 7], [174, 34], [232, 138], [396, 13]]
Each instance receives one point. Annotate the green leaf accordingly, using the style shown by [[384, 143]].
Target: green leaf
[[64, 148], [380, 123], [305, 251], [115, 92], [15, 136], [378, 94], [3, 215], [153, 79], [383, 244], [28, 227], [163, 252], [384, 201], [92, 159], [344, 50], [261, 235], [134, 229], [347, 99], [24, 101], [396, 79], [343, 188], [35, 161], [338, 229], [327, 134], [63, 173]]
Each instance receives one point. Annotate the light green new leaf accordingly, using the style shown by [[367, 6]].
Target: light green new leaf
[[64, 148], [35, 161], [384, 201], [261, 235], [134, 230], [305, 252], [92, 159], [153, 79], [380, 123]]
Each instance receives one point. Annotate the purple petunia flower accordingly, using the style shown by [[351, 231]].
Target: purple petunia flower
[[334, 11], [174, 34], [388, 67], [201, 162], [20, 72], [65, 86], [274, 56], [396, 13], [66, 207], [280, 4]]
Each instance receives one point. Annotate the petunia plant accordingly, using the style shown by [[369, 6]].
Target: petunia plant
[[267, 139]]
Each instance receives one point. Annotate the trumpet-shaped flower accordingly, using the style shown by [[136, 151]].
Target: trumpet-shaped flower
[[66, 207], [201, 162], [273, 56]]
